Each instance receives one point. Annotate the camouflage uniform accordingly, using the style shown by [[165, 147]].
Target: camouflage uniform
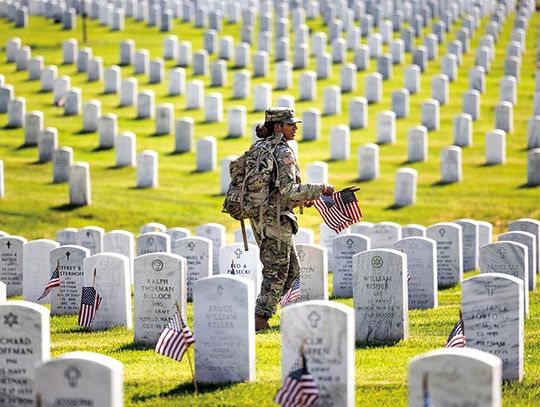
[[274, 231]]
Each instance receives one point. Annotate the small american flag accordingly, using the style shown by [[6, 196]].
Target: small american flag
[[293, 294], [299, 388], [54, 281], [175, 338], [340, 210], [456, 339], [90, 303]]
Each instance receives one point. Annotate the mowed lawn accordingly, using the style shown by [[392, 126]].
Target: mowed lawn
[[36, 208]]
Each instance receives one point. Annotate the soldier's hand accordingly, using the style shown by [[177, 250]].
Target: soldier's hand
[[308, 204], [328, 189]]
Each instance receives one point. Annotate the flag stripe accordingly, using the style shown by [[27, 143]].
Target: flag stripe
[[292, 295], [340, 210], [299, 388], [90, 303], [175, 339], [456, 339]]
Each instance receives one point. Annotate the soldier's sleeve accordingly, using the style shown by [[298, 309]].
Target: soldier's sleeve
[[289, 188]]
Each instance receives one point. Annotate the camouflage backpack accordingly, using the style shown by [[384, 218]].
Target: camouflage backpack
[[253, 174]]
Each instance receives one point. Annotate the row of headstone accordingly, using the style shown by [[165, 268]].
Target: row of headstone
[[72, 378]]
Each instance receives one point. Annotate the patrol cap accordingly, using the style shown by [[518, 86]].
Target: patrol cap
[[280, 114]]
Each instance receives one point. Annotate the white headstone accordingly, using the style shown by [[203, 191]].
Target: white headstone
[[80, 378], [153, 242], [111, 273], [198, 253], [147, 169], [66, 299], [62, 161], [224, 319], [451, 165], [206, 154], [25, 337], [36, 268], [11, 264], [449, 240], [160, 284], [380, 296], [433, 376], [235, 260], [344, 247], [422, 271], [493, 303], [325, 331]]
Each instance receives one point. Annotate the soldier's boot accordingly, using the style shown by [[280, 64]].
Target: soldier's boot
[[261, 323]]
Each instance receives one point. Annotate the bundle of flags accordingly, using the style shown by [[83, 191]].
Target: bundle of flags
[[299, 388], [54, 281], [293, 294], [339, 210], [175, 339], [456, 339], [90, 303]]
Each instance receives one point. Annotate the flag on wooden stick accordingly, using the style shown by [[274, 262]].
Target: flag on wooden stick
[[90, 303], [299, 388], [339, 210], [175, 339], [54, 281]]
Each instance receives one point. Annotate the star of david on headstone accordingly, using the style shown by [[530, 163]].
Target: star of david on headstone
[[442, 232], [502, 252], [349, 243], [8, 244], [11, 319], [314, 318], [220, 290], [72, 374], [238, 253], [301, 255], [490, 289], [190, 246], [68, 254]]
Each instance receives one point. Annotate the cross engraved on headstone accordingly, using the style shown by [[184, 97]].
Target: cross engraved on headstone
[[238, 253], [8, 244], [301, 255], [220, 290], [72, 374], [502, 252], [150, 241], [442, 232], [68, 254], [490, 289], [190, 246], [349, 243], [314, 318], [10, 319]]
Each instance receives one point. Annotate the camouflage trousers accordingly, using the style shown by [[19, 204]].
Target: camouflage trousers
[[280, 268]]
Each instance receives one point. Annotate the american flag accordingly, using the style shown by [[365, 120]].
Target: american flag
[[299, 388], [54, 281], [293, 294], [339, 210], [456, 339], [90, 303], [175, 338]]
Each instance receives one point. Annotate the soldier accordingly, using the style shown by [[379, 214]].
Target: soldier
[[274, 231]]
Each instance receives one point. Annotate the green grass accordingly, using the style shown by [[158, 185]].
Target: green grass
[[36, 208]]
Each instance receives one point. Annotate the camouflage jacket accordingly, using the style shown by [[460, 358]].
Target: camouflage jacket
[[287, 191]]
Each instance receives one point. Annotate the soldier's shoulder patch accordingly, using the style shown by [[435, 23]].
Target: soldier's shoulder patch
[[288, 158]]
